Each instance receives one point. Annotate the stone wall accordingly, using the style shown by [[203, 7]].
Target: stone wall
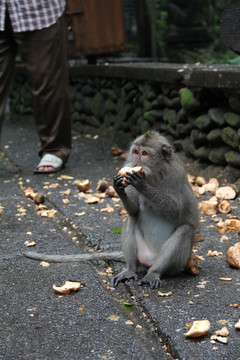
[[199, 114]]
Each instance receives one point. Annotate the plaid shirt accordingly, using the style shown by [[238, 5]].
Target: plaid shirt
[[29, 15]]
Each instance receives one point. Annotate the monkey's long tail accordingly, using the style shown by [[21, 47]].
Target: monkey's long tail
[[115, 255]]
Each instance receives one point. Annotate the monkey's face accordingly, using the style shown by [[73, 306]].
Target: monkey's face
[[141, 156]]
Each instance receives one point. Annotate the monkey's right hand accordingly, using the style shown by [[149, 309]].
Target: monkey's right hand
[[118, 184]]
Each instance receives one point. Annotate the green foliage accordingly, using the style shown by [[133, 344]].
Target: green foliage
[[118, 230]]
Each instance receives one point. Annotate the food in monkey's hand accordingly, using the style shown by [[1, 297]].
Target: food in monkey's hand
[[128, 169]]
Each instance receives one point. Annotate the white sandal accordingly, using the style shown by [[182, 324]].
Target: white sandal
[[49, 160]]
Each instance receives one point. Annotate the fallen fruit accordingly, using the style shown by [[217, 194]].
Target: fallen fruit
[[198, 328], [127, 169]]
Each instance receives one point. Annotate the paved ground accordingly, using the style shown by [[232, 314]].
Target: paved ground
[[93, 323]]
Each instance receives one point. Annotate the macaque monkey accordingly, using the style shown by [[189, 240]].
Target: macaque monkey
[[163, 214]]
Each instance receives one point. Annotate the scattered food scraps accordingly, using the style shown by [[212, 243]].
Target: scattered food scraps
[[224, 207], [198, 328], [228, 226], [108, 209], [237, 325], [83, 185], [102, 185], [68, 287], [223, 332], [115, 151], [214, 253], [225, 279], [226, 192], [164, 294], [233, 256], [220, 339], [90, 199], [113, 318], [30, 244], [44, 264]]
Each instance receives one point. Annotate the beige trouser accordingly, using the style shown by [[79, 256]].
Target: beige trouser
[[43, 54]]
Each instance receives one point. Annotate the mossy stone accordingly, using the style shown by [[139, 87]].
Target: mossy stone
[[232, 119], [202, 122], [215, 136], [230, 137], [216, 115], [233, 158]]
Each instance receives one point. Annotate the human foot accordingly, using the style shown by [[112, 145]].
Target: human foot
[[49, 164]]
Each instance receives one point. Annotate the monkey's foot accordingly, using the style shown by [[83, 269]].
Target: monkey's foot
[[123, 276], [151, 279]]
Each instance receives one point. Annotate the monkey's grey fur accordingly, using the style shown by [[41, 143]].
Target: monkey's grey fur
[[163, 215]]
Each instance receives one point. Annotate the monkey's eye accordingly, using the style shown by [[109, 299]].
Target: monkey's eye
[[144, 153], [135, 151]]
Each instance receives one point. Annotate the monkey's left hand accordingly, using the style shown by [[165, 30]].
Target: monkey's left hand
[[135, 179]]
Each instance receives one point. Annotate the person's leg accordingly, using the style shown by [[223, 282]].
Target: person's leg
[[8, 49], [44, 56]]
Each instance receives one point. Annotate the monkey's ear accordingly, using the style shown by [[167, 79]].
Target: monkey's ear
[[167, 152]]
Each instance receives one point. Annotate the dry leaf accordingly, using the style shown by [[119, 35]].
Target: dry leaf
[[68, 287], [66, 201], [226, 192], [29, 233], [233, 256], [83, 185], [198, 328]]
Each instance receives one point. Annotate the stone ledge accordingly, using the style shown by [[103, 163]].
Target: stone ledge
[[208, 76]]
